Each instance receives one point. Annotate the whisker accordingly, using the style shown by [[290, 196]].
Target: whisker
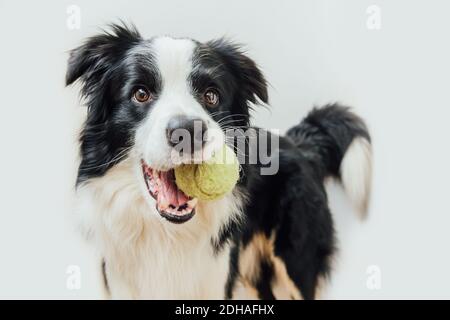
[[244, 116], [236, 149], [231, 127], [229, 121], [215, 113]]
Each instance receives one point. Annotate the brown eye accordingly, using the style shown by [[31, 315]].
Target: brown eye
[[142, 95], [211, 97]]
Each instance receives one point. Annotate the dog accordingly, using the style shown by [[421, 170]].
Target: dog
[[271, 237]]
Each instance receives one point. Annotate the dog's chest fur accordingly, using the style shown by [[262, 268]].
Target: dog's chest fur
[[147, 257]]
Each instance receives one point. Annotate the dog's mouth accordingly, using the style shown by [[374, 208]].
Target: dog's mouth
[[171, 203]]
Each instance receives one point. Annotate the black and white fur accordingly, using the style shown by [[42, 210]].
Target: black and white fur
[[271, 237]]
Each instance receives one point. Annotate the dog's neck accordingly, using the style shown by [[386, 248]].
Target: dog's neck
[[147, 256]]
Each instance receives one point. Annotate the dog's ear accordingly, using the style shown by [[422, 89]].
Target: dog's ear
[[98, 54], [250, 77]]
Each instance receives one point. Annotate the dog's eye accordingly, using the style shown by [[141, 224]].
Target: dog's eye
[[211, 97], [142, 94]]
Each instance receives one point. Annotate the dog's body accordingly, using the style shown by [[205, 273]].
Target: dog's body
[[271, 237]]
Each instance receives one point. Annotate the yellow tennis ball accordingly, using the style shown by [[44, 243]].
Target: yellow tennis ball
[[211, 179]]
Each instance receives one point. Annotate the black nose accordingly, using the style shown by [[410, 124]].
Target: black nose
[[186, 132]]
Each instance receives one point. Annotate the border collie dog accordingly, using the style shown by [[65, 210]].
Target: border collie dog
[[271, 237]]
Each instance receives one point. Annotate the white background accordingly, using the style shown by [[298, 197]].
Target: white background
[[312, 52]]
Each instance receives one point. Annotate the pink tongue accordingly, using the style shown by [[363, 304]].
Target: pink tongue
[[169, 192]]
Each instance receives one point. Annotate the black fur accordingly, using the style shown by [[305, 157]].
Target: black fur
[[105, 277], [291, 207], [101, 67], [263, 284], [233, 273], [293, 203], [325, 134], [223, 64], [107, 79]]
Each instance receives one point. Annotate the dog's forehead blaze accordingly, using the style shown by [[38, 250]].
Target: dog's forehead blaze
[[174, 59]]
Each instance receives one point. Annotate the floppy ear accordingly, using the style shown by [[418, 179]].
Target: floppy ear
[[93, 64], [98, 54], [254, 85]]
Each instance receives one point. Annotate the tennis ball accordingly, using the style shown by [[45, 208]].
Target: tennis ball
[[211, 179]]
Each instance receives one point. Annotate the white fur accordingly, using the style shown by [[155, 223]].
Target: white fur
[[174, 61], [146, 256], [356, 173]]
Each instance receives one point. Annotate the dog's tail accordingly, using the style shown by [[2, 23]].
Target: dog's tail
[[338, 143]]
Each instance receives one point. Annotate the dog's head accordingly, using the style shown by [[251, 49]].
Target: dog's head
[[144, 96]]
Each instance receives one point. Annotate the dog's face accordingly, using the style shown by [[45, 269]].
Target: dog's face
[[145, 98]]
